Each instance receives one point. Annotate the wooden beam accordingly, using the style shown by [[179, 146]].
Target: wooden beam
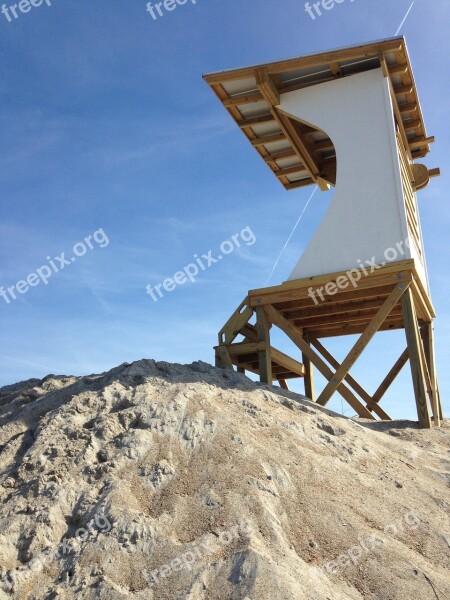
[[245, 348], [351, 318], [422, 141], [403, 90], [324, 145], [415, 356], [391, 376], [251, 366], [423, 301], [252, 121], [305, 62], [363, 341], [368, 399], [283, 384], [342, 306], [269, 139], [249, 332], [218, 361], [243, 99], [440, 402], [303, 152], [300, 84], [296, 336], [304, 288], [249, 351], [344, 300], [290, 170], [224, 357], [267, 87], [409, 107], [272, 97], [300, 183], [412, 124], [429, 385], [264, 356], [383, 64], [287, 362], [428, 342], [355, 329], [335, 68], [235, 323], [310, 388], [279, 156], [434, 172], [398, 69]]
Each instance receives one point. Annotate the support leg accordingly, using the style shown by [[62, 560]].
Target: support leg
[[428, 344], [223, 360], [441, 410], [264, 357], [415, 358], [310, 390]]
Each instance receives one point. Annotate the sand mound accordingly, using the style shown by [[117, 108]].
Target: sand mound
[[172, 482]]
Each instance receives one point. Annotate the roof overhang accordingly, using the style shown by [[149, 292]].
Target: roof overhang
[[297, 154]]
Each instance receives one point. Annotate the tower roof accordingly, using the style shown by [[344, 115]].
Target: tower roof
[[297, 153]]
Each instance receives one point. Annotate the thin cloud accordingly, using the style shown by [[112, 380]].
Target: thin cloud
[[291, 234]]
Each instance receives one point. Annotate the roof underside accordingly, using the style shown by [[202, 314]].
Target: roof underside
[[297, 154]]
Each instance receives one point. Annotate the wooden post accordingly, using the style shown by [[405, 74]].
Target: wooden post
[[441, 410], [310, 388], [218, 361], [223, 359], [265, 361], [428, 346], [415, 358]]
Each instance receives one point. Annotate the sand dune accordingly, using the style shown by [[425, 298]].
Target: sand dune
[[176, 482]]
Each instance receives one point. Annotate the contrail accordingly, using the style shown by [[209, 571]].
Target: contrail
[[291, 234], [404, 19]]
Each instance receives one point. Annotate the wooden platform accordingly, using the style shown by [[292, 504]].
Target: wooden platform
[[361, 302]]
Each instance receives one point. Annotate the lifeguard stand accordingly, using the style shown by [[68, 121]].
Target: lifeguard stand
[[349, 118]]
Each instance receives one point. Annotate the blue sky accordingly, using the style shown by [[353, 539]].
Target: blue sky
[[107, 124]]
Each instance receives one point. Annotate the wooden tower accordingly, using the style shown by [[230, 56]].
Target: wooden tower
[[348, 118]]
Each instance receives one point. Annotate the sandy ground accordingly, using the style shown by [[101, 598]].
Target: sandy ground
[[176, 482]]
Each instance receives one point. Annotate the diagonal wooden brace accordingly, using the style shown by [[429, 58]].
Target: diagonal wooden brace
[[371, 404], [363, 341], [296, 336], [391, 376]]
